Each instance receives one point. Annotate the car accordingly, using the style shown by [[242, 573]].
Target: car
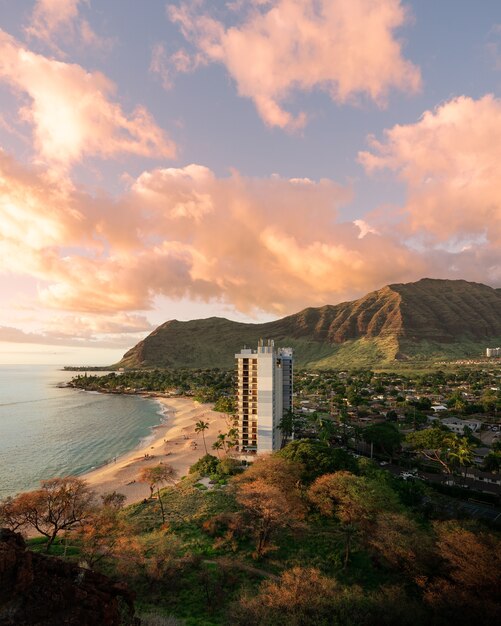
[[406, 475], [383, 463]]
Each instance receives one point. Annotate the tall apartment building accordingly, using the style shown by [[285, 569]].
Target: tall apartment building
[[264, 394]]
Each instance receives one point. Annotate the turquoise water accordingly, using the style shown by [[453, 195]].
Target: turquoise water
[[46, 431]]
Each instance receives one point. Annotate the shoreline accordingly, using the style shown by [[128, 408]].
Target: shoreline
[[173, 441]]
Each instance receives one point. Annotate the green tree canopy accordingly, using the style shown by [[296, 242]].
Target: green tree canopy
[[386, 437], [434, 444], [317, 458]]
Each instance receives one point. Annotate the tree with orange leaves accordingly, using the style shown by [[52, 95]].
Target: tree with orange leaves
[[100, 534], [355, 500], [59, 504], [269, 492], [155, 477], [465, 587]]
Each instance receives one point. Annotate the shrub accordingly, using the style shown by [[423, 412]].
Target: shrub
[[206, 465], [228, 467]]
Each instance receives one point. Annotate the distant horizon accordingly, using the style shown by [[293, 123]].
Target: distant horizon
[[108, 357]]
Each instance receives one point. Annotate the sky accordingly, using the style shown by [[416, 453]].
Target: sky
[[245, 159]]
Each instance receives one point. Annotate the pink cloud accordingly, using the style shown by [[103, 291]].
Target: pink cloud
[[165, 66], [159, 64], [450, 161], [72, 111], [54, 20], [259, 244], [344, 47], [11, 334]]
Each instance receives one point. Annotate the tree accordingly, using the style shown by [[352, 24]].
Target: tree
[[303, 596], [434, 444], [269, 493], [300, 596], [457, 402], [461, 451], [113, 500], [353, 396], [317, 458], [225, 404], [326, 429], [344, 419], [465, 588], [218, 445], [201, 427], [489, 399], [230, 444], [287, 426], [59, 504], [228, 440], [12, 513], [101, 533], [355, 500], [385, 437], [155, 477], [398, 540], [492, 462], [421, 404], [152, 557]]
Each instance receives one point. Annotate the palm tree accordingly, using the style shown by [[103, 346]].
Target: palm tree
[[222, 440], [201, 427], [325, 430], [462, 452], [231, 438], [218, 445]]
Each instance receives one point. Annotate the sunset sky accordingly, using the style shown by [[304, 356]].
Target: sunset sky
[[242, 158]]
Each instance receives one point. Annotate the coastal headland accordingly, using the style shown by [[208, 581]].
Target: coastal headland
[[174, 441]]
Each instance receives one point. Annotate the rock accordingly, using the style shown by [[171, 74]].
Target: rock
[[39, 590]]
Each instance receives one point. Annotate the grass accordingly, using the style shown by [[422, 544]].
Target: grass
[[60, 547], [201, 592], [464, 348], [184, 503], [359, 353]]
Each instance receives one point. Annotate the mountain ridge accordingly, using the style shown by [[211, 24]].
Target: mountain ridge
[[400, 321]]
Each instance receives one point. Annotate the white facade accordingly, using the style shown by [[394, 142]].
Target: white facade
[[457, 425], [493, 352], [264, 394]]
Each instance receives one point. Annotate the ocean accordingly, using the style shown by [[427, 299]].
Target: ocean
[[48, 431]]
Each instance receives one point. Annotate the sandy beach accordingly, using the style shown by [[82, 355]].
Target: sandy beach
[[174, 442]]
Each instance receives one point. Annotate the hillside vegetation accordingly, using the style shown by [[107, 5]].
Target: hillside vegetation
[[309, 536], [429, 319]]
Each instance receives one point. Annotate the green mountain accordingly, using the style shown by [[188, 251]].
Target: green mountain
[[427, 320]]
